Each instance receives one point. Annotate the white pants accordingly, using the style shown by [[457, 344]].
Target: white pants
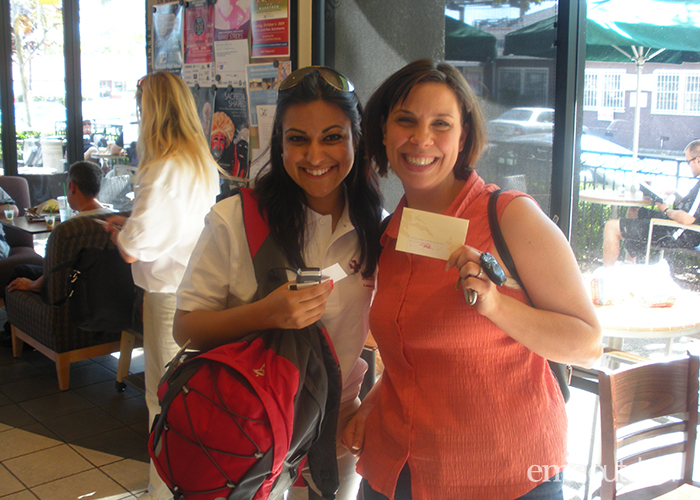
[[159, 348], [349, 479]]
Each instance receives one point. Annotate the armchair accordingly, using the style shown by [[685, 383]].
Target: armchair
[[21, 243], [49, 328]]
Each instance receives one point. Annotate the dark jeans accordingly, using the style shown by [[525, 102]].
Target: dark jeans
[[552, 489]]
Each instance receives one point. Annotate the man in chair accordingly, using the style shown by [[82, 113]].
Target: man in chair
[[635, 229], [84, 182]]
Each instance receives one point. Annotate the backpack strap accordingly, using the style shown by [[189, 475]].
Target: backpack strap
[[256, 228], [561, 372], [269, 262], [271, 272]]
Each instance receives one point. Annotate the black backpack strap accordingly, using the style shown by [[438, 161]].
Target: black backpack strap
[[561, 372]]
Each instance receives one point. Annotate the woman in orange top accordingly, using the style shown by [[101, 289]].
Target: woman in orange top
[[467, 406]]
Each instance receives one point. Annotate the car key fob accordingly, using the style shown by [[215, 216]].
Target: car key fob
[[492, 268]]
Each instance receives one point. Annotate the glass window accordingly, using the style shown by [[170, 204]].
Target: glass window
[[603, 89], [39, 89], [676, 92], [113, 58], [636, 125], [516, 90]]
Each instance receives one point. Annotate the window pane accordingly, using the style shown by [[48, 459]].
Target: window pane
[[39, 84], [636, 127], [517, 94], [113, 58]]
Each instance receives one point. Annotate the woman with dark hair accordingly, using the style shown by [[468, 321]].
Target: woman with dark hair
[[323, 207], [467, 406]]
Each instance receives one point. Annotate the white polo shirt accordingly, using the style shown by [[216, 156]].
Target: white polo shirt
[[220, 275]]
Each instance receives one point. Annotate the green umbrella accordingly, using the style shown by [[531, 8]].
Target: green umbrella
[[665, 31], [466, 43]]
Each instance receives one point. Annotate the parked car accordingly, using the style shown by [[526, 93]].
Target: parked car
[[519, 122]]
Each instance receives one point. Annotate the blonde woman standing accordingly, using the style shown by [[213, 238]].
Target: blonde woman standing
[[177, 184]]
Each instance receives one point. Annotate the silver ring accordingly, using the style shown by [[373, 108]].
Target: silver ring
[[481, 271]]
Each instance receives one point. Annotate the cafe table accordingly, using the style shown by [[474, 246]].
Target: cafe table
[[629, 319], [32, 227], [614, 198]]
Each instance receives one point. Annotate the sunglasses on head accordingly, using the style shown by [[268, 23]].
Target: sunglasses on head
[[330, 76]]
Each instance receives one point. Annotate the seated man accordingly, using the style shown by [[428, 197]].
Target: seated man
[[84, 182], [635, 231]]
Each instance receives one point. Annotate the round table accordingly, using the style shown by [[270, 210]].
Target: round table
[[630, 319], [614, 198]]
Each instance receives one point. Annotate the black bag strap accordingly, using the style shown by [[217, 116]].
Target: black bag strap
[[561, 372], [68, 264]]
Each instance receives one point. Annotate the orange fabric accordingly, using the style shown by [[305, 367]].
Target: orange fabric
[[468, 407]]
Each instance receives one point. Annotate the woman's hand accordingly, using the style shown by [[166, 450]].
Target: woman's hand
[[292, 309], [353, 437], [472, 277]]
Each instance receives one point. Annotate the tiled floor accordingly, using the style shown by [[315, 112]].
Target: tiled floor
[[87, 442]]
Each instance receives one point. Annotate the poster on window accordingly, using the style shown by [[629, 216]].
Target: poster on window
[[199, 43], [263, 80], [231, 30], [167, 37], [269, 28], [204, 100], [230, 135]]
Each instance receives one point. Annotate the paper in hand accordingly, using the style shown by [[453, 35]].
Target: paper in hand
[[429, 234]]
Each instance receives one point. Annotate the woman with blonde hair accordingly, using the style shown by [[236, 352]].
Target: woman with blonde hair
[[177, 184]]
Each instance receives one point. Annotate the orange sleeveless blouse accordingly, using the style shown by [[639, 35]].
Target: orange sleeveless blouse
[[474, 413]]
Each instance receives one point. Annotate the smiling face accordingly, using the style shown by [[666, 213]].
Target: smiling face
[[318, 152], [423, 136]]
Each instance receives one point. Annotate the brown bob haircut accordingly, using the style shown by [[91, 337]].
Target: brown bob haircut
[[395, 90]]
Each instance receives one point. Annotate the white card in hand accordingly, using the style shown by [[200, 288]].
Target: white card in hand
[[429, 234]]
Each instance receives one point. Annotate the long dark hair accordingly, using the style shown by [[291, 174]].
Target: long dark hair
[[395, 90], [283, 202]]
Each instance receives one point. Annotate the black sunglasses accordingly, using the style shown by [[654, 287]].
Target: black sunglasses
[[330, 76]]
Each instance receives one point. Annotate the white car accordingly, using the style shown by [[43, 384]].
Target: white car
[[521, 121]]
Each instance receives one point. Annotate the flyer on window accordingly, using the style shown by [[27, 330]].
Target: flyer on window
[[199, 43], [269, 28], [231, 30], [230, 135], [167, 37], [263, 81], [204, 100]]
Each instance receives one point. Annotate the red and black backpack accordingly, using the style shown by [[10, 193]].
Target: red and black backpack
[[237, 421]]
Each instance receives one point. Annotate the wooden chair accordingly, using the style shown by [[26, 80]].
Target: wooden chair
[[671, 223], [663, 395]]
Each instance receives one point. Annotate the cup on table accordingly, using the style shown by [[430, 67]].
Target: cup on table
[[64, 210], [50, 221], [9, 214]]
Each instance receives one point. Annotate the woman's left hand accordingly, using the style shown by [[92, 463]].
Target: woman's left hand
[[472, 277]]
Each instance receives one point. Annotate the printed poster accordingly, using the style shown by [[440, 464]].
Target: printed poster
[[199, 43], [204, 100], [230, 134], [263, 81], [269, 28], [231, 30], [167, 37]]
